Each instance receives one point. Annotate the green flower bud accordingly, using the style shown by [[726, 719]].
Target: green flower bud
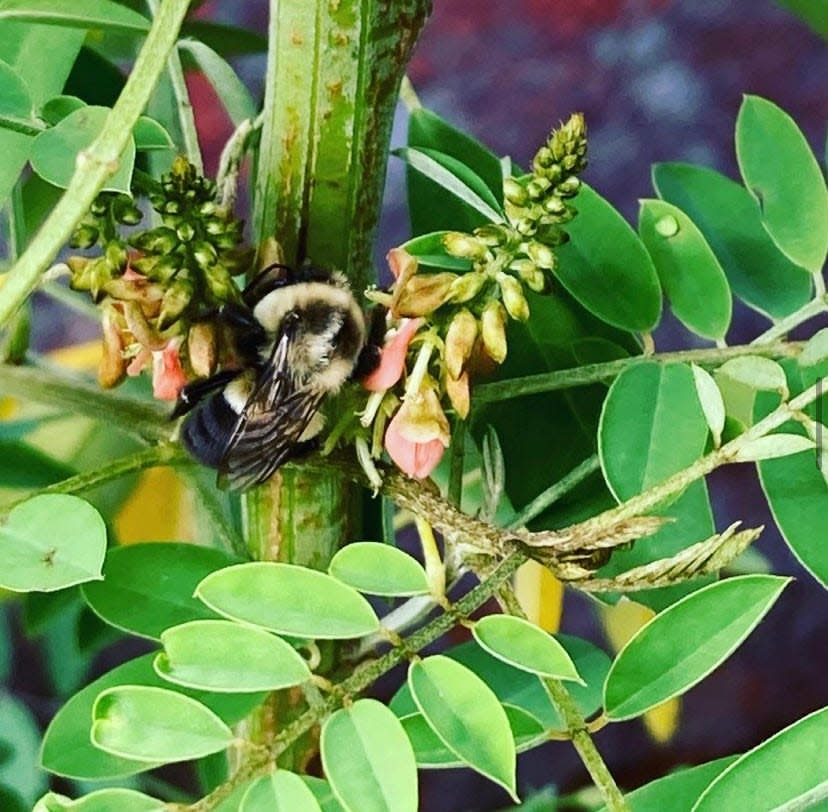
[[554, 205], [466, 287], [161, 240], [175, 300], [531, 275], [209, 208], [514, 300], [165, 268], [525, 226], [542, 255], [99, 206], [568, 187], [551, 234], [493, 331], [125, 211], [215, 225], [85, 236], [221, 284], [100, 272], [464, 245], [185, 232], [514, 192], [205, 255], [116, 255], [492, 235], [537, 187]]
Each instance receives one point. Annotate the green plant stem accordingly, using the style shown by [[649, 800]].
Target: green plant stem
[[186, 119], [364, 676], [141, 419], [167, 454], [555, 492], [98, 162], [784, 326], [595, 373], [457, 452]]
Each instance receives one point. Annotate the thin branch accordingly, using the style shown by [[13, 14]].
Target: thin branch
[[98, 162], [596, 373], [784, 326]]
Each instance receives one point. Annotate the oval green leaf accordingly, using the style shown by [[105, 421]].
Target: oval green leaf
[[712, 402], [797, 494], [219, 655], [652, 425], [55, 151], [379, 569], [725, 213], [772, 446], [456, 178], [149, 134], [816, 350], [781, 172], [67, 749], [323, 793], [77, 14], [156, 725], [149, 587], [785, 772], [756, 372], [50, 542], [522, 644], [688, 269], [58, 107], [102, 800], [431, 753], [368, 759], [15, 99], [606, 267], [288, 599], [466, 716], [281, 791], [680, 646], [679, 790]]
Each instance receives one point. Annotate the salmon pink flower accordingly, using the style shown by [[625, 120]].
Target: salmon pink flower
[[418, 434], [167, 374], [392, 358]]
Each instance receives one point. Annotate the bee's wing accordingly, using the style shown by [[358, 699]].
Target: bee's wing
[[271, 423]]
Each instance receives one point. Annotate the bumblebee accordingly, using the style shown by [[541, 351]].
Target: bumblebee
[[299, 335]]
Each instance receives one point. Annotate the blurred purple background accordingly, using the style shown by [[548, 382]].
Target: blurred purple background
[[658, 80]]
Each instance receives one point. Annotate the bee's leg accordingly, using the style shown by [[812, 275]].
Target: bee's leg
[[195, 391]]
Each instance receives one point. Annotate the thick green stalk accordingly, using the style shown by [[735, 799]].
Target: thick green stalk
[[98, 162], [333, 73]]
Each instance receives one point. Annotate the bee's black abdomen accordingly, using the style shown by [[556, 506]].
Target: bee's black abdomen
[[207, 428]]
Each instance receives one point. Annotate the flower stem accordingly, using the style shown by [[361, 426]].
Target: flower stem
[[595, 373], [784, 326], [98, 162]]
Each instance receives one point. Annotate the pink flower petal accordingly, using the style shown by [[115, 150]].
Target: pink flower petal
[[400, 262], [168, 377], [392, 359], [137, 364], [416, 460]]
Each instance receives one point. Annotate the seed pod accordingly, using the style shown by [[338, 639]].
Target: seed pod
[[460, 338], [466, 287], [493, 331], [513, 298], [422, 294]]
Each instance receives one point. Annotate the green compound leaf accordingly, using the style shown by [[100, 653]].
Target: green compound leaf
[[522, 644], [77, 14], [785, 772], [288, 599], [652, 425], [67, 749], [149, 587], [219, 655], [369, 760], [772, 446], [680, 646], [103, 800], [235, 97], [15, 99], [281, 791], [466, 716], [758, 373], [379, 569], [55, 151], [781, 172], [687, 267], [606, 267], [431, 753], [455, 178], [156, 725], [679, 790], [50, 542], [725, 213]]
